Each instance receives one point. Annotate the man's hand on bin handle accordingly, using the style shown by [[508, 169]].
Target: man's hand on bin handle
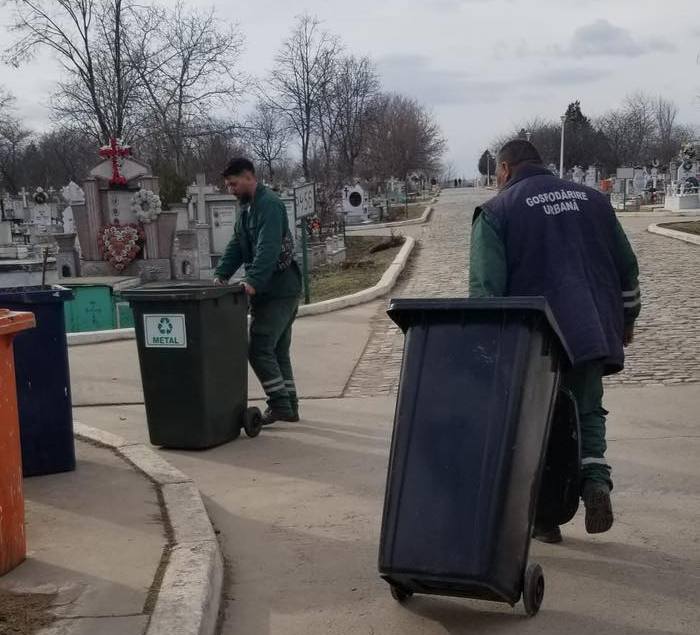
[[248, 289]]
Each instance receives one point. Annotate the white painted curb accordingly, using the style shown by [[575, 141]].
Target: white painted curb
[[353, 229], [386, 284], [97, 337], [694, 239], [189, 597], [660, 213]]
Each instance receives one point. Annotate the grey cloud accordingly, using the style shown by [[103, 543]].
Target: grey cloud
[[569, 75], [603, 38], [415, 75]]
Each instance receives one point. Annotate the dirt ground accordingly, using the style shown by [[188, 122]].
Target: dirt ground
[[25, 614]]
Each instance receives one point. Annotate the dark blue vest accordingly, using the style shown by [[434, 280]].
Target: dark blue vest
[[559, 241]]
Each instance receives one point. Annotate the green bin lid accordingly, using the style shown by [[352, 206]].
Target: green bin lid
[[186, 290]]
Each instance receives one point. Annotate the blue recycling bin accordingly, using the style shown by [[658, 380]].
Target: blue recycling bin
[[43, 380]]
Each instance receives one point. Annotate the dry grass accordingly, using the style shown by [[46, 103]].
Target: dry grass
[[398, 211], [690, 227], [361, 270]]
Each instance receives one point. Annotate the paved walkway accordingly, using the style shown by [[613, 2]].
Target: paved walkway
[[299, 508], [667, 349], [438, 268], [95, 538], [299, 512]]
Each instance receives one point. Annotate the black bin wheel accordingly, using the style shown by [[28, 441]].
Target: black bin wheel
[[253, 422], [533, 589], [399, 594]]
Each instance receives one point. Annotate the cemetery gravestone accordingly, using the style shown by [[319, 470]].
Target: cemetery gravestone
[[592, 176]]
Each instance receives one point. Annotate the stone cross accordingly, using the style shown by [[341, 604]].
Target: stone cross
[[23, 193], [200, 189]]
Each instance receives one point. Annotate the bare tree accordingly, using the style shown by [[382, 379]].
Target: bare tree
[[267, 135], [666, 112], [327, 120], [641, 125], [186, 61], [302, 73], [87, 37], [357, 84], [403, 138], [54, 158], [13, 139]]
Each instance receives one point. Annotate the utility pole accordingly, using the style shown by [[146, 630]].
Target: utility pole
[[561, 154]]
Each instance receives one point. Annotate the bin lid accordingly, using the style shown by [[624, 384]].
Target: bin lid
[[186, 290], [35, 294], [403, 311], [15, 321], [114, 282]]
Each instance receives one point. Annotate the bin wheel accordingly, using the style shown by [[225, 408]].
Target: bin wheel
[[253, 422], [533, 589], [400, 595]]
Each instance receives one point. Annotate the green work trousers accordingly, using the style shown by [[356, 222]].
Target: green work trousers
[[586, 384], [270, 341]]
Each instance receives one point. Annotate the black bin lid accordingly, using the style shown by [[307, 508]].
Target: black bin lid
[[36, 294], [404, 311]]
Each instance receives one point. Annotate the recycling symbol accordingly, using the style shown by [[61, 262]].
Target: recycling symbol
[[165, 326]]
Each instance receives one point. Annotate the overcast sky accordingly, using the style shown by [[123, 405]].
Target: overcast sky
[[482, 66]]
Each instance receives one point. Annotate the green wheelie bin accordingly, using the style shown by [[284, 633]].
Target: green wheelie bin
[[193, 352]]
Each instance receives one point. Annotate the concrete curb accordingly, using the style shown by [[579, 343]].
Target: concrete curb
[[693, 239], [97, 337], [189, 597], [318, 308], [661, 213], [386, 284], [353, 229]]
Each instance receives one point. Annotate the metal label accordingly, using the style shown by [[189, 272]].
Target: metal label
[[165, 331]]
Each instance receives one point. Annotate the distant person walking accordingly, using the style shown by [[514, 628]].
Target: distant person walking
[[262, 242], [543, 236]]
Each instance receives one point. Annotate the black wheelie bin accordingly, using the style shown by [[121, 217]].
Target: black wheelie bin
[[193, 352], [478, 388], [43, 380]]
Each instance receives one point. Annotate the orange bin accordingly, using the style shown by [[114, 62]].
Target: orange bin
[[13, 548]]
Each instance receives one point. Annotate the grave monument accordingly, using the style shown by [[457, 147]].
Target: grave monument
[[121, 226], [683, 191]]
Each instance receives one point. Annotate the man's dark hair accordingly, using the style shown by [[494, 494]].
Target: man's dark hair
[[237, 166], [519, 151]]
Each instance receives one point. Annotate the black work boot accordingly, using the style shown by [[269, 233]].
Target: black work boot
[[271, 416], [549, 535], [599, 513]]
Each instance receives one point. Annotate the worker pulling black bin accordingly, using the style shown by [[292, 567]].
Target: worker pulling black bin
[[43, 380], [193, 352], [478, 387]]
